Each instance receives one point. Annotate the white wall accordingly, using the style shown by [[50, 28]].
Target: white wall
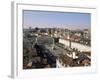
[[75, 45], [65, 42], [5, 41], [80, 47]]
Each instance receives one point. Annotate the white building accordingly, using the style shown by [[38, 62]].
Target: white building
[[78, 46]]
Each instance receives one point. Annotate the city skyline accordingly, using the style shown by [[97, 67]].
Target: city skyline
[[47, 19]]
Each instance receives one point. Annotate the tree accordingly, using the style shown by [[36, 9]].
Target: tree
[[36, 28]]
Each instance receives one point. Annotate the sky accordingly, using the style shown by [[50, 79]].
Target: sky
[[56, 19]]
